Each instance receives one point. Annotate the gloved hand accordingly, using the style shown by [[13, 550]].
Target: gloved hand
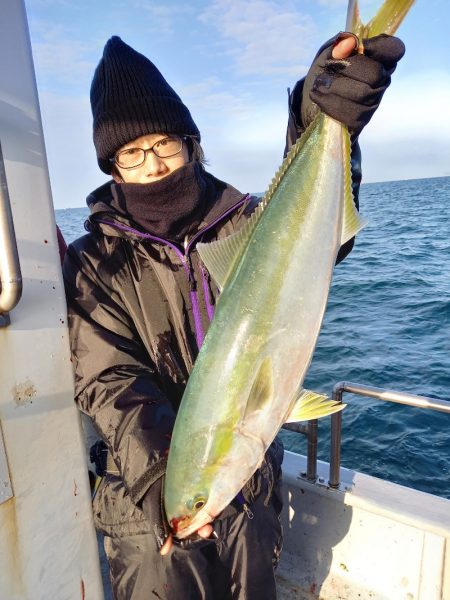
[[153, 509], [350, 89]]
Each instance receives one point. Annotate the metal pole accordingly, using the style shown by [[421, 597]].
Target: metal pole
[[397, 397], [379, 394], [311, 460], [335, 438], [10, 275]]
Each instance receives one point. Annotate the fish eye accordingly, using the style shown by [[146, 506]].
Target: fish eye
[[197, 502]]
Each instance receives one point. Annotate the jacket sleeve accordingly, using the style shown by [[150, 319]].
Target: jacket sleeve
[[295, 129], [116, 383]]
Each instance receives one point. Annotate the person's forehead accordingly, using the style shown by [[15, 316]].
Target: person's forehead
[[145, 141]]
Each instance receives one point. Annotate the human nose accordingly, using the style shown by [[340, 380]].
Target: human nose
[[153, 164]]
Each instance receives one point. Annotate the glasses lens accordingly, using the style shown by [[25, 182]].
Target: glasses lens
[[131, 157], [169, 146]]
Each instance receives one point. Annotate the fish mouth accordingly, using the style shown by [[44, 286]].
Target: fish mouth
[[186, 525]]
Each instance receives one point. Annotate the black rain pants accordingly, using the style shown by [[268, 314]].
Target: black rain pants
[[239, 565]]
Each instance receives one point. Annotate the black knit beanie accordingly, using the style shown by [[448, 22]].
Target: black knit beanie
[[130, 98]]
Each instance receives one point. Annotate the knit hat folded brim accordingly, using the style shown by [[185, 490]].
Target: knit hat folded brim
[[130, 98]]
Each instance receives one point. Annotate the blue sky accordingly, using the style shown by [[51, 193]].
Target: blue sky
[[231, 62]]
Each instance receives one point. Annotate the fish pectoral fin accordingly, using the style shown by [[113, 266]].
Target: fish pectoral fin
[[262, 389], [221, 256], [352, 222], [312, 405]]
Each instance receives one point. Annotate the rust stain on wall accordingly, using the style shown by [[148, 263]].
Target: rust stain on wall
[[12, 583], [23, 393]]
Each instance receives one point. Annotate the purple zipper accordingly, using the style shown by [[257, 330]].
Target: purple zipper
[[184, 257], [206, 293]]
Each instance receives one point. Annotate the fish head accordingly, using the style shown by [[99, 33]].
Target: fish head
[[191, 506], [198, 490], [194, 516]]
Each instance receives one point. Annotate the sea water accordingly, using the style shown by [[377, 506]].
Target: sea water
[[387, 325]]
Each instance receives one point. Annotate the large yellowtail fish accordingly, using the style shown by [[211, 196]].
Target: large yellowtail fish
[[275, 275]]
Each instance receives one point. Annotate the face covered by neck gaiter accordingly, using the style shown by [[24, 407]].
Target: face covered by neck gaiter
[[170, 208]]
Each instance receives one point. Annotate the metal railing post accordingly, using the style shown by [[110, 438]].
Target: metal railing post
[[379, 394], [10, 275], [310, 431], [335, 438], [311, 457]]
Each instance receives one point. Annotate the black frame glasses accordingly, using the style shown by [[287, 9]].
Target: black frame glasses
[[159, 149]]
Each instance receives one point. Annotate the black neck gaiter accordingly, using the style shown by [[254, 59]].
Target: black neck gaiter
[[170, 208]]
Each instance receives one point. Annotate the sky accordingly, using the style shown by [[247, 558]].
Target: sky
[[231, 61]]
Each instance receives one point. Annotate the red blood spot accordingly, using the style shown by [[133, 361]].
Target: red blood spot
[[177, 523]]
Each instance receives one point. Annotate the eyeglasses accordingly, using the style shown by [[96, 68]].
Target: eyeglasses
[[135, 157]]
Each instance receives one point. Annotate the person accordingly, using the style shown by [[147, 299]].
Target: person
[[140, 301]]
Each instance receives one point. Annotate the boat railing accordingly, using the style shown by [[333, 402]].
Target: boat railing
[[10, 274], [310, 430]]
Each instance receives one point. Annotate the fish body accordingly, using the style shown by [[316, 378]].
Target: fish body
[[249, 371], [247, 379]]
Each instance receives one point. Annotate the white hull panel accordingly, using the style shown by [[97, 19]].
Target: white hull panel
[[379, 541], [47, 541]]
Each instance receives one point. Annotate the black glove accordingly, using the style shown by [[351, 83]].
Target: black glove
[[350, 89]]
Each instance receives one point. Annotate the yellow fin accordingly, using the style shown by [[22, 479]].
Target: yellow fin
[[221, 256], [353, 23], [387, 20], [352, 222], [262, 389], [312, 405]]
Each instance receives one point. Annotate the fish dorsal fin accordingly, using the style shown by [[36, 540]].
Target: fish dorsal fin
[[387, 20], [261, 393], [312, 405], [221, 256], [352, 222]]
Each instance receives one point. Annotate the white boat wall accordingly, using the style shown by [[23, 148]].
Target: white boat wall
[[48, 546], [368, 540]]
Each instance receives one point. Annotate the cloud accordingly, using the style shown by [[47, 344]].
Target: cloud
[[263, 37], [60, 59], [162, 16], [409, 136], [333, 3], [414, 106], [73, 169], [212, 98]]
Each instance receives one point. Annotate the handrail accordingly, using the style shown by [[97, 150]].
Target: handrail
[[10, 274], [310, 432], [379, 394]]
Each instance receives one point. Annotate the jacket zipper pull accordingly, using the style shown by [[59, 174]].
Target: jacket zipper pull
[[245, 506]]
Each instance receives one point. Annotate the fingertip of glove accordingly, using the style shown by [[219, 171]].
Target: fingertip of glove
[[384, 48]]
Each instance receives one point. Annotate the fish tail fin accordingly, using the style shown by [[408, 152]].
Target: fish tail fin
[[387, 20], [354, 23]]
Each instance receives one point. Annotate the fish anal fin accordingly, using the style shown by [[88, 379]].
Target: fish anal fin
[[312, 405]]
